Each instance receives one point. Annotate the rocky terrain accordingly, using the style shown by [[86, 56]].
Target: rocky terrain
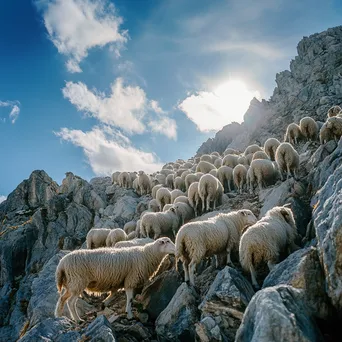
[[301, 298]]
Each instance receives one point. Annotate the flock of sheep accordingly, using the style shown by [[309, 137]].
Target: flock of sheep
[[127, 258]]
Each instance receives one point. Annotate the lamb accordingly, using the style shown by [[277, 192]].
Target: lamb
[[176, 193], [179, 184], [204, 167], [333, 111], [230, 160], [181, 199], [160, 223], [169, 181], [210, 191], [261, 171], [325, 134], [225, 176], [266, 239], [293, 133], [217, 235], [114, 236], [195, 199], [115, 177], [155, 189], [107, 270], [260, 155], [218, 162], [335, 125], [153, 205], [271, 146], [252, 149], [309, 128], [206, 157], [96, 237], [124, 180], [287, 159], [133, 243], [129, 227], [240, 176], [184, 211], [144, 183], [163, 197]]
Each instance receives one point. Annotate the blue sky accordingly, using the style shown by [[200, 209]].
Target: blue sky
[[95, 86]]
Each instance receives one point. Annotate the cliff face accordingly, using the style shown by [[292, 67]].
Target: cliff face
[[311, 86]]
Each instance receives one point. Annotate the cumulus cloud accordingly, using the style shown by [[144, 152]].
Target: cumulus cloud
[[164, 125], [108, 150], [15, 110], [210, 111], [2, 198], [76, 26]]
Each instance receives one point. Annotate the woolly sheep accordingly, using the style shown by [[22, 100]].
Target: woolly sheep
[[160, 223], [287, 159], [260, 155], [240, 176], [144, 183], [243, 160], [215, 153], [96, 237], [124, 180], [230, 160], [155, 189], [188, 165], [218, 162], [163, 197], [166, 172], [181, 199], [206, 157], [169, 181], [325, 134], [261, 171], [161, 179], [189, 179], [107, 270], [309, 128], [214, 236], [167, 207], [252, 149], [195, 199], [176, 166], [184, 174], [179, 172], [133, 243], [230, 151], [333, 111], [132, 235], [114, 236], [270, 147], [266, 239], [115, 177], [249, 158], [130, 226], [213, 173], [153, 205], [184, 211], [176, 193], [293, 133], [225, 176], [210, 191], [204, 167], [179, 184], [136, 186], [335, 125]]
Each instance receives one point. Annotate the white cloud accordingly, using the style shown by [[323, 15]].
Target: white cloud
[[108, 150], [15, 110], [2, 198], [76, 26], [164, 126], [210, 111]]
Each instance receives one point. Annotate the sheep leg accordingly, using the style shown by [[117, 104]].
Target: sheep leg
[[288, 172], [203, 206], [208, 204], [229, 188], [61, 302], [107, 301], [73, 309], [229, 260], [186, 271], [192, 268], [129, 298], [253, 276]]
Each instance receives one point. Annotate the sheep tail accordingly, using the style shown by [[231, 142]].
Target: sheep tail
[[246, 258], [60, 278], [179, 249]]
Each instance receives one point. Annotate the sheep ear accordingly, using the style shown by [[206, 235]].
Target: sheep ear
[[243, 213], [285, 214], [287, 205]]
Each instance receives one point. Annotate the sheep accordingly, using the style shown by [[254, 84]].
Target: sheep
[[252, 149], [243, 160], [287, 159], [179, 184], [293, 133], [176, 166], [189, 179], [215, 153], [214, 236], [181, 199], [218, 162], [161, 179], [163, 197], [141, 207], [133, 243], [230, 151], [270, 147], [167, 207], [115, 177], [325, 134], [130, 226], [266, 239], [114, 236], [107, 270], [204, 167], [249, 158], [176, 193], [333, 111], [155, 189], [213, 173], [124, 180], [135, 186], [195, 199], [96, 237], [132, 235], [184, 174], [335, 125], [160, 223], [153, 205], [225, 176], [144, 183], [210, 191], [261, 171], [188, 165], [169, 181], [260, 155], [230, 160], [180, 171], [184, 211], [240, 176], [206, 157], [309, 128]]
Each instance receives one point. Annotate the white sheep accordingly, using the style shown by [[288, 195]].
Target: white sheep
[[243, 160], [163, 197], [218, 162], [107, 270], [161, 179], [262, 172], [240, 176], [115, 177], [153, 205], [182, 199], [287, 159], [179, 184], [270, 147], [195, 199], [266, 239], [205, 167], [167, 207], [188, 165], [210, 191], [114, 236], [130, 227], [325, 134], [189, 179], [335, 125], [124, 180], [96, 237], [184, 211], [225, 176], [230, 151], [169, 181], [333, 111], [216, 235], [293, 133], [166, 172], [135, 186], [309, 128], [206, 157], [230, 160], [176, 193], [260, 155], [213, 173], [252, 149], [155, 189], [215, 153], [144, 183], [133, 243]]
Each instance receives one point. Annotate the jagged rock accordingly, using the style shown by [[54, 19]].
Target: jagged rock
[[135, 332], [100, 185], [302, 270], [99, 330], [208, 331], [176, 322], [156, 295], [277, 313], [320, 154], [226, 301]]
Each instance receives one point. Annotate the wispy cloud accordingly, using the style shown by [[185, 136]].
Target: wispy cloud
[[15, 110], [2, 198], [76, 26]]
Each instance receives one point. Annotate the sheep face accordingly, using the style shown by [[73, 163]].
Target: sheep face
[[165, 245], [248, 216]]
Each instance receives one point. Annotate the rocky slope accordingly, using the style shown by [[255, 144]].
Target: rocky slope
[[300, 300]]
